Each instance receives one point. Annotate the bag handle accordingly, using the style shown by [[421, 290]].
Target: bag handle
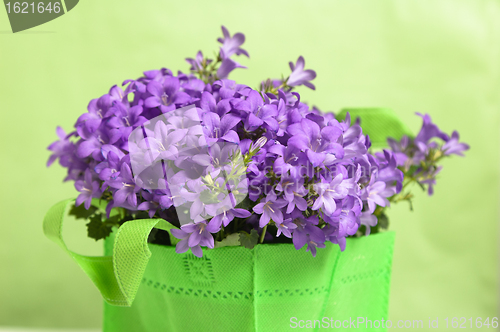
[[117, 277]]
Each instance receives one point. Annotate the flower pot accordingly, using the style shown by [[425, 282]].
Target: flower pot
[[272, 287]]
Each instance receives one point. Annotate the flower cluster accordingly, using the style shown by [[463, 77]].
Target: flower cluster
[[216, 158], [418, 157]]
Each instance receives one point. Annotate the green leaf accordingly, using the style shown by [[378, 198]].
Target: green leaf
[[245, 204], [383, 221], [97, 229], [115, 220], [140, 215], [231, 240], [79, 212], [209, 197], [249, 240]]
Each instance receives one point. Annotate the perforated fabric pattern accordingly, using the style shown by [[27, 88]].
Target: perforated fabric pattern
[[236, 289]]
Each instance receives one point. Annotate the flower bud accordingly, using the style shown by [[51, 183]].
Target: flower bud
[[258, 145]]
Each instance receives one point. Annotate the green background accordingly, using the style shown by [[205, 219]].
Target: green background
[[439, 57]]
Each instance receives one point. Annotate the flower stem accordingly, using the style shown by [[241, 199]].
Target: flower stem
[[263, 234]]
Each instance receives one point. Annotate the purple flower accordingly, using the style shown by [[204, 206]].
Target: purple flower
[[193, 86], [347, 216], [307, 233], [399, 148], [376, 193], [161, 143], [150, 204], [299, 76], [227, 216], [88, 189], [197, 62], [231, 45], [216, 128], [388, 171], [430, 178], [453, 146], [288, 157], [270, 209], [354, 142], [126, 187], [125, 118], [92, 145], [258, 113], [286, 228], [227, 66], [166, 95], [429, 130], [333, 235], [62, 149], [193, 236], [88, 123], [369, 220], [418, 156], [110, 168], [328, 192], [282, 116], [115, 94], [294, 192], [316, 142]]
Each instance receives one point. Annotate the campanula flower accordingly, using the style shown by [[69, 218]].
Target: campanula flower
[[299, 76]]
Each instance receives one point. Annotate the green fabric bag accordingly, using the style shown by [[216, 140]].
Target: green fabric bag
[[272, 287], [237, 289]]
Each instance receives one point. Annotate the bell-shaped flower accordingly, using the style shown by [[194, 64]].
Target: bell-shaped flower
[[376, 193], [294, 192], [270, 209], [216, 128], [197, 62], [307, 233], [166, 95], [329, 191], [193, 236], [453, 146], [62, 149], [231, 45], [88, 188], [126, 188], [286, 228], [125, 118], [316, 142], [299, 76]]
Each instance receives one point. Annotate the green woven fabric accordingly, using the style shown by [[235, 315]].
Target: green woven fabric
[[236, 289], [378, 124], [269, 288]]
